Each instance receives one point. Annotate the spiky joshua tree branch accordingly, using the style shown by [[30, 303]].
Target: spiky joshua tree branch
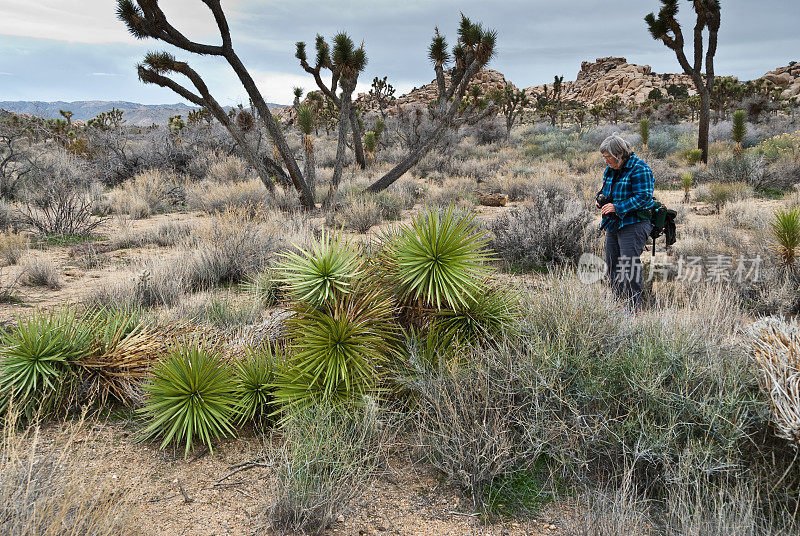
[[145, 19]]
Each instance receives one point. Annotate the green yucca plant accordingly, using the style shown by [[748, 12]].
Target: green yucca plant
[[36, 358], [786, 232], [686, 184], [644, 132], [191, 395], [337, 349], [321, 273], [440, 258], [264, 288], [254, 375], [492, 314], [739, 129]]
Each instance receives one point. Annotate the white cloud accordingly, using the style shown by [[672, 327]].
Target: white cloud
[[106, 74], [2, 73], [95, 21]]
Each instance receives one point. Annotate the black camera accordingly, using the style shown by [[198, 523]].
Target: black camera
[[601, 199]]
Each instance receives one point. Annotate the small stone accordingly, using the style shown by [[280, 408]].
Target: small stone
[[381, 528], [340, 519]]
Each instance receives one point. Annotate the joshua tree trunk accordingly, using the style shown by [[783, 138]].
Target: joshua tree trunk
[[358, 147], [705, 113], [309, 169], [341, 146]]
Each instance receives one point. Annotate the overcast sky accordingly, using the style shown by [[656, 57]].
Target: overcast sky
[[58, 50]]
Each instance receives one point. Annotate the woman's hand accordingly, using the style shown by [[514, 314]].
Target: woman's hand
[[608, 208]]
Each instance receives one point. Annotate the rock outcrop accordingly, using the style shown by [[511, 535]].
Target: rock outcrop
[[604, 78], [787, 78]]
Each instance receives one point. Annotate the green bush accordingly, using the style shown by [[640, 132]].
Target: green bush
[[37, 356], [254, 375], [191, 396], [439, 259]]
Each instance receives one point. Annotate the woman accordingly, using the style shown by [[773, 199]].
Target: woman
[[625, 201]]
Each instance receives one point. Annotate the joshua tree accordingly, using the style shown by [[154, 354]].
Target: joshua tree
[[305, 121], [512, 103], [475, 48], [549, 102], [67, 114], [596, 112], [347, 54], [666, 28], [144, 18], [612, 107], [644, 132], [298, 93], [739, 130], [345, 63], [382, 94]]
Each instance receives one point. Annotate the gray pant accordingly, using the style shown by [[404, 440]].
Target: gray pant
[[623, 249]]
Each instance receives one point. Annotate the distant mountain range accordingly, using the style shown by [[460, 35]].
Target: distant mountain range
[[135, 113]]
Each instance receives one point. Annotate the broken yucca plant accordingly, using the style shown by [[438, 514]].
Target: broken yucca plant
[[776, 351]]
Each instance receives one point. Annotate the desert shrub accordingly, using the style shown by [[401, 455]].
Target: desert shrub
[[359, 215], [326, 460], [254, 377], [489, 131], [191, 396], [7, 217], [392, 203], [720, 193], [468, 426], [227, 170], [215, 198], [747, 168], [452, 195], [490, 316], [558, 144], [36, 365], [230, 248], [549, 230], [664, 173], [156, 285], [42, 272], [56, 199], [611, 511], [166, 234], [12, 247], [662, 143], [148, 192], [693, 156], [264, 288], [224, 312], [779, 147], [745, 215], [50, 487], [620, 395]]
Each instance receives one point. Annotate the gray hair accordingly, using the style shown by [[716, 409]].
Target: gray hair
[[616, 147]]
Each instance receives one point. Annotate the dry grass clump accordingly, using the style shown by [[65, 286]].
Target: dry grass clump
[[229, 169], [148, 192], [326, 459], [166, 234], [215, 197], [359, 215], [13, 246], [42, 272], [52, 487], [746, 215]]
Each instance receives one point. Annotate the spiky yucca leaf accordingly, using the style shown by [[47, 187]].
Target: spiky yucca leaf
[[300, 51], [492, 314], [440, 258], [321, 273], [254, 377], [786, 231], [323, 52], [337, 350], [36, 358], [190, 396], [160, 62]]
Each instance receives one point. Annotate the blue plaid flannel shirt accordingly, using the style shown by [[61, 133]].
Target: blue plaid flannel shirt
[[629, 192]]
